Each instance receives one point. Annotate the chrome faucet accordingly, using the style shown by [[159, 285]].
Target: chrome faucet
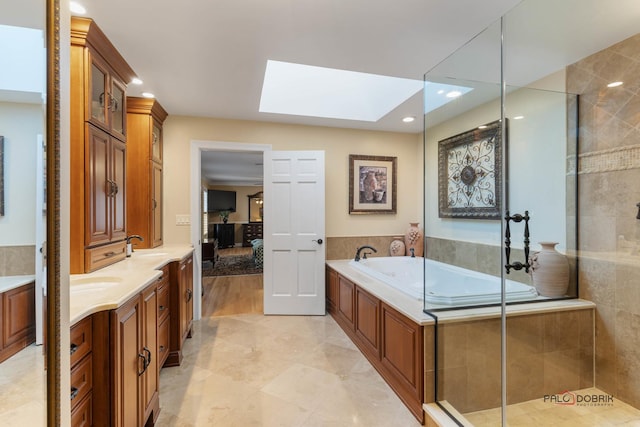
[[129, 246], [364, 256]]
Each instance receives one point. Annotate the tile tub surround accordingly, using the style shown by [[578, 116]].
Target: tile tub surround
[[547, 353], [608, 172], [470, 338], [345, 247], [17, 260]]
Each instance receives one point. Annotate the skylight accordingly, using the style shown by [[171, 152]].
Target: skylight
[[306, 90], [22, 59]]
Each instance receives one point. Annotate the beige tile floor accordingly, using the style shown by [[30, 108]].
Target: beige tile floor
[[23, 389], [255, 370], [540, 413]]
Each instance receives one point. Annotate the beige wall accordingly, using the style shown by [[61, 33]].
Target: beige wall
[[179, 131], [609, 173]]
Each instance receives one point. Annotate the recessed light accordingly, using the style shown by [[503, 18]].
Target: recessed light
[[518, 118], [441, 91], [482, 127], [76, 7], [614, 84], [136, 81], [148, 95], [408, 119], [453, 94]]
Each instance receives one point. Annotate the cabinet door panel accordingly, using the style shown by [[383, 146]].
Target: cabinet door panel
[[19, 314], [97, 173], [150, 346], [118, 174], [128, 363], [97, 111], [156, 203], [368, 321], [346, 301]]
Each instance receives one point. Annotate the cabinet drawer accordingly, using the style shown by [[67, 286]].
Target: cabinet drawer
[[82, 415], [96, 258], [80, 340], [163, 341], [81, 380], [163, 301]]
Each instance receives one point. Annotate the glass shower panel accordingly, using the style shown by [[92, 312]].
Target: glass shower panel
[[463, 172]]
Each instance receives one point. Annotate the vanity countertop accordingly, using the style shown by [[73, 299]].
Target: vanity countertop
[[11, 282], [112, 286]]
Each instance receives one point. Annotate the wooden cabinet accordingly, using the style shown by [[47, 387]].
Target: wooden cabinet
[[181, 300], [210, 251], [393, 343], [251, 231], [135, 372], [144, 170], [98, 148], [225, 234], [81, 360], [17, 320]]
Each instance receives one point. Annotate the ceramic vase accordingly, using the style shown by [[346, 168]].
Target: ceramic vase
[[550, 271], [413, 239], [397, 248]]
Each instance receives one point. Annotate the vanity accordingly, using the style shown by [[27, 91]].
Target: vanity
[[17, 314], [128, 320]]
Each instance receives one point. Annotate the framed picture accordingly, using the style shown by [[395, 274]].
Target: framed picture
[[372, 184], [469, 173], [1, 175]]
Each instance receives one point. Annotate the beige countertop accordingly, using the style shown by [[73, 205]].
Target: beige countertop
[[8, 283], [112, 286]]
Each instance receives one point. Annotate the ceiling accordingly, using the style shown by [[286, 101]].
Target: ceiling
[[207, 57]]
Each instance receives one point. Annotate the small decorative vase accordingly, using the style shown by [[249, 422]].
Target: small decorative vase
[[397, 248], [550, 271], [413, 239], [225, 220]]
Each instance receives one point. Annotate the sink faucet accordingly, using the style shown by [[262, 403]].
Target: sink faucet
[[357, 258], [413, 252], [129, 246]]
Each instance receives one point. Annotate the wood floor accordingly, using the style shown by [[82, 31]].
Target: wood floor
[[230, 295]]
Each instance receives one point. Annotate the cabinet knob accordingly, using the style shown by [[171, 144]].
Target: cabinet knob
[[74, 348], [74, 392]]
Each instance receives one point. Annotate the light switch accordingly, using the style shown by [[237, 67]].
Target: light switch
[[183, 219]]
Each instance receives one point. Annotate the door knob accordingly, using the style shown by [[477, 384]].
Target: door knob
[[319, 241]]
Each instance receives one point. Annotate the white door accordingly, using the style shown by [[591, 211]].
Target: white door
[[294, 254], [41, 243]]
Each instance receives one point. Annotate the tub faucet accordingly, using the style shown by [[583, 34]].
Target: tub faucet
[[413, 252], [357, 258]]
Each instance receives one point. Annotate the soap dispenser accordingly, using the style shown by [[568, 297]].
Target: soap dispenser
[[129, 245]]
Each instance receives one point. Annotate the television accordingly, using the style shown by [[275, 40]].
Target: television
[[221, 200]]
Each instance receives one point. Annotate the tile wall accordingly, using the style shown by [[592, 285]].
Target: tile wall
[[17, 260], [609, 175]]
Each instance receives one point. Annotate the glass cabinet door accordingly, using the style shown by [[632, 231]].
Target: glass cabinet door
[[117, 107], [99, 95], [156, 143]]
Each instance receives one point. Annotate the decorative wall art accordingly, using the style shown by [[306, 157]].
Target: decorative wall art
[[1, 175], [372, 184], [469, 173]]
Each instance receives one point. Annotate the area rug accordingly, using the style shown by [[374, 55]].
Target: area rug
[[232, 265]]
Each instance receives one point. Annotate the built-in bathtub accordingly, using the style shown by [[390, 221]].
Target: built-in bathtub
[[445, 284]]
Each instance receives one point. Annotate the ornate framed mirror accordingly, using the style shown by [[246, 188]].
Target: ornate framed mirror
[[255, 207]]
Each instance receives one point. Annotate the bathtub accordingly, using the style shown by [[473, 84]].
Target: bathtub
[[446, 284]]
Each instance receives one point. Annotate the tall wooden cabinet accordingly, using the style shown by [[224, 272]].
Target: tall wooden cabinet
[[98, 148], [181, 300], [144, 170]]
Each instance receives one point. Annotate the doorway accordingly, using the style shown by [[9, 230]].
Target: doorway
[[227, 150]]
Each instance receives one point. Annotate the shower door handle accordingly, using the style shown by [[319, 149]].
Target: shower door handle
[[517, 265]]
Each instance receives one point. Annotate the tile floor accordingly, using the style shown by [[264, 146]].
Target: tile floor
[[255, 370], [23, 389]]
